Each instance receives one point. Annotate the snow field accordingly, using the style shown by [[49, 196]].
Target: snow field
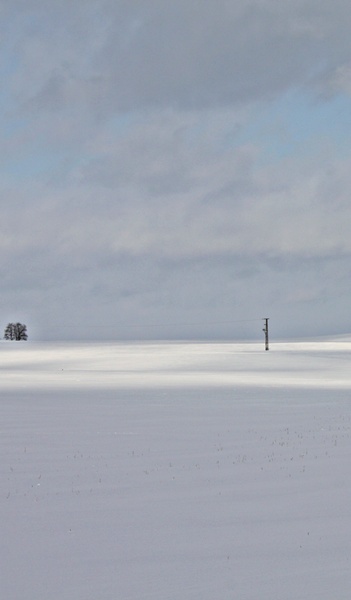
[[175, 471]]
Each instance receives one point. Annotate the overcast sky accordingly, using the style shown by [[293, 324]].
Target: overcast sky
[[175, 168]]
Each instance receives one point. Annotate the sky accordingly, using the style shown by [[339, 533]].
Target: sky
[[175, 170]]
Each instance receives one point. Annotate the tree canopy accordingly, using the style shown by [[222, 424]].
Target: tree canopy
[[16, 331]]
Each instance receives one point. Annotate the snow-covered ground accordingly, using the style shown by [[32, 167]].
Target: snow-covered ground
[[175, 471]]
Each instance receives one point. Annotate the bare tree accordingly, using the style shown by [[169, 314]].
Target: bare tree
[[16, 331]]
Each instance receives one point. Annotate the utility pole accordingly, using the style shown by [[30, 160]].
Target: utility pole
[[265, 330]]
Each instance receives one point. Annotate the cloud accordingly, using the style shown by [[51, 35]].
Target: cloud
[[121, 56], [162, 162], [154, 192]]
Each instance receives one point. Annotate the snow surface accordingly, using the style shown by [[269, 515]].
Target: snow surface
[[175, 471]]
